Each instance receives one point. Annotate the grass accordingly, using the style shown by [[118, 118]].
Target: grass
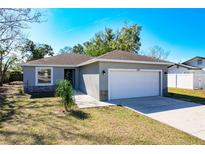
[[41, 121], [197, 96]]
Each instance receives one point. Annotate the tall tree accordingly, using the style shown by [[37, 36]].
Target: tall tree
[[75, 49], [12, 22], [127, 38], [102, 43], [78, 49], [66, 49], [33, 51], [6, 59], [158, 52]]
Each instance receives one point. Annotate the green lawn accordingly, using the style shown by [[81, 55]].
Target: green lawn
[[41, 121], [197, 96]]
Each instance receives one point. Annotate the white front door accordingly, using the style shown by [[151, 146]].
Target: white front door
[[133, 83]]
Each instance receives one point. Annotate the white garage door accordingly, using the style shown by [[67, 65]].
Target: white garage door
[[133, 83]]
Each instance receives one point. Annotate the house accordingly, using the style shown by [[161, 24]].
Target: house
[[115, 75], [189, 74], [195, 65]]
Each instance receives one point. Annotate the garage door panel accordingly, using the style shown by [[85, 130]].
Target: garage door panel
[[129, 84]]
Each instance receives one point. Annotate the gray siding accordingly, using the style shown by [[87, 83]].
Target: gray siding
[[89, 79], [106, 65], [29, 76], [195, 63], [58, 74]]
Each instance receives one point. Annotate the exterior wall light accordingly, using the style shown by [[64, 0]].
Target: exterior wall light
[[103, 72]]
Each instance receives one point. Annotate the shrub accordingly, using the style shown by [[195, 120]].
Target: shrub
[[21, 91], [65, 91]]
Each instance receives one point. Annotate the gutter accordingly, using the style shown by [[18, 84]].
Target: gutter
[[124, 61], [48, 65], [100, 60]]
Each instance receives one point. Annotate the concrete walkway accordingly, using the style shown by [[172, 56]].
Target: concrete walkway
[[86, 101], [186, 116]]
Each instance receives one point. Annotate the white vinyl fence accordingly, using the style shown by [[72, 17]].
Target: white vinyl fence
[[186, 81]]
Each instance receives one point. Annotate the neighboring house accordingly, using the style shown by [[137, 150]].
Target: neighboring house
[[195, 65], [189, 74], [196, 62], [115, 75]]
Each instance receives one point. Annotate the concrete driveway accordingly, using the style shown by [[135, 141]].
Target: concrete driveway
[[186, 116]]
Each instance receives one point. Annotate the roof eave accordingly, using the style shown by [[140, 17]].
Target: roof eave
[[47, 65], [125, 61], [98, 60], [194, 69], [188, 67]]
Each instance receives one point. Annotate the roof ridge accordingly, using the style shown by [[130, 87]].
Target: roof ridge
[[105, 54]]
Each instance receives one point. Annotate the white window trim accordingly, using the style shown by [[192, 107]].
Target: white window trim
[[201, 62], [143, 70], [36, 76]]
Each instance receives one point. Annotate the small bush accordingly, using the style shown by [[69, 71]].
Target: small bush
[[21, 91], [65, 91]]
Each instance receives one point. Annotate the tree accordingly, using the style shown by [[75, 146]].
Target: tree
[[78, 49], [100, 44], [127, 39], [65, 91], [75, 49], [6, 63], [66, 49], [12, 22], [33, 51], [7, 58], [158, 53]]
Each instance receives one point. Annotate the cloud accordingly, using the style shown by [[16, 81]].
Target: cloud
[[102, 20], [69, 30], [109, 18]]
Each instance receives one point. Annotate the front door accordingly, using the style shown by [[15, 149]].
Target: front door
[[69, 74]]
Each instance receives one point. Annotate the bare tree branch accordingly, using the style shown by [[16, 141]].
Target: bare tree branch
[[158, 53], [12, 23], [14, 20]]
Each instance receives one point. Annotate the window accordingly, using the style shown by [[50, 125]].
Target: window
[[199, 61], [44, 76]]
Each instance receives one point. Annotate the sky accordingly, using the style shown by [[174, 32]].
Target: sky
[[180, 31]]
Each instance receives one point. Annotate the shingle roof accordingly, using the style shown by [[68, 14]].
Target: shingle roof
[[63, 59], [79, 59], [125, 55], [197, 57], [187, 66]]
